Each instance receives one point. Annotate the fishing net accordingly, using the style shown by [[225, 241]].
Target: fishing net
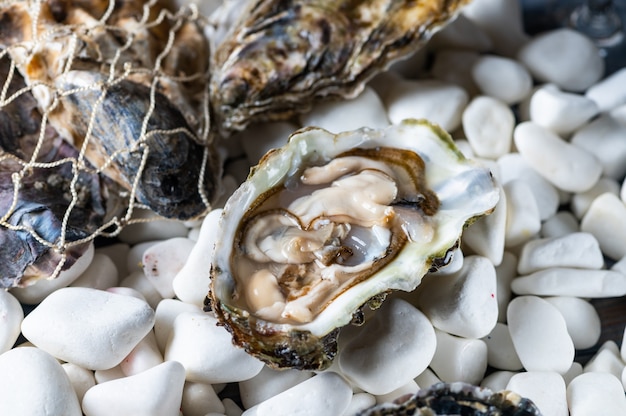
[[103, 109]]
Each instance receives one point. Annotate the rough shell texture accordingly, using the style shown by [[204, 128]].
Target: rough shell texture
[[280, 56], [457, 399], [450, 192]]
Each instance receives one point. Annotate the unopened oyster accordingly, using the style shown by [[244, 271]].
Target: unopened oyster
[[329, 222]]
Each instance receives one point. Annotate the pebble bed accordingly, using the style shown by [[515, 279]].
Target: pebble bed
[[123, 331]]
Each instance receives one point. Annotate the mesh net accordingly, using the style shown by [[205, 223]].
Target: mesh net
[[103, 109]]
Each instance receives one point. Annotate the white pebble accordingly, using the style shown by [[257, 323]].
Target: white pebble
[[231, 408], [34, 383], [358, 403], [505, 273], [80, 378], [88, 327], [200, 399], [399, 335], [135, 256], [441, 103], [144, 356], [582, 201], [102, 376], [546, 389], [118, 253], [606, 360], [462, 303], [497, 380], [606, 220], [191, 284], [574, 371], [488, 124], [325, 394], [409, 388], [500, 351], [426, 379], [101, 273], [33, 294], [156, 228], [164, 260], [207, 352], [139, 282], [609, 93], [579, 250], [366, 110], [559, 111], [568, 167], [262, 138], [581, 318], [564, 57], [156, 392], [164, 316], [269, 383], [539, 335], [459, 359], [522, 214], [604, 138], [559, 225], [11, 316], [502, 78], [596, 394], [561, 281]]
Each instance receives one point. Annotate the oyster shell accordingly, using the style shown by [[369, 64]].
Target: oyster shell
[[329, 222], [278, 57]]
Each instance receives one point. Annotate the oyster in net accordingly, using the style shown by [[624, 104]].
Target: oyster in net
[[329, 222]]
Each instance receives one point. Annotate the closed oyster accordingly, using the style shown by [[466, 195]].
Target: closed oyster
[[329, 222], [278, 57]]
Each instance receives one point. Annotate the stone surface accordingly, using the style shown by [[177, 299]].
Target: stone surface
[[502, 78], [488, 125]]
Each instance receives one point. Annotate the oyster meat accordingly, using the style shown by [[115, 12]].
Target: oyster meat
[[277, 57], [329, 222]]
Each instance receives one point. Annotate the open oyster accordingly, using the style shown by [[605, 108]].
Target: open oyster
[[328, 222]]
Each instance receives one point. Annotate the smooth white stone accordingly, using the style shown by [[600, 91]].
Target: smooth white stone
[[463, 303], [455, 264], [622, 192], [559, 225], [366, 110], [488, 124], [574, 371], [462, 34], [164, 260], [200, 399], [580, 250], [325, 394], [268, 383], [126, 291], [539, 335], [522, 214], [262, 138], [207, 352], [101, 274], [561, 281], [568, 167], [135, 255], [564, 57], [80, 378], [191, 284], [622, 350], [604, 139], [581, 318], [426, 379], [34, 383], [118, 253], [501, 20], [156, 228], [139, 282], [450, 66], [582, 201], [194, 234], [156, 392], [144, 356], [502, 78], [559, 111], [33, 294], [513, 166], [358, 403], [606, 220], [500, 351], [546, 389], [88, 327], [11, 317], [231, 408], [459, 359], [609, 93], [606, 360], [505, 273], [398, 335], [441, 103], [164, 316], [497, 380], [409, 388], [596, 394], [102, 376], [619, 114]]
